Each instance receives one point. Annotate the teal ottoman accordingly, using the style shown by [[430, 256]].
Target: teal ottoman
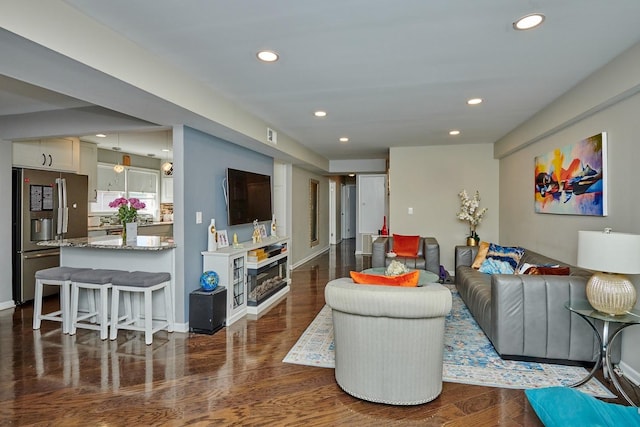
[[562, 406]]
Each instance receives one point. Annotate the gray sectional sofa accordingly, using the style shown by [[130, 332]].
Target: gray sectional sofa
[[524, 315]]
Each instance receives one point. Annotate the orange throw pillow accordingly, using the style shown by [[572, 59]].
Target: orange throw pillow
[[406, 245], [481, 256], [409, 279]]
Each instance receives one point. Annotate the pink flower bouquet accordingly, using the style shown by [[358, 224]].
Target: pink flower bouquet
[[127, 208]]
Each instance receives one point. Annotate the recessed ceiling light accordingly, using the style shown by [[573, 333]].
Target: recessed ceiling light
[[101, 135], [165, 150], [320, 113], [352, 174], [474, 101], [454, 132], [528, 22], [267, 56], [344, 139]]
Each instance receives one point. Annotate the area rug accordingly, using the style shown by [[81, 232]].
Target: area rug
[[469, 357]]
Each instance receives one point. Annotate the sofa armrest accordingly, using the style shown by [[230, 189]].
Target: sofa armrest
[[379, 249], [464, 255], [431, 253], [528, 317]]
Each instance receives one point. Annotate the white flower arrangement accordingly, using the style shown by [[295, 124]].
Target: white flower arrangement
[[470, 211], [396, 268]]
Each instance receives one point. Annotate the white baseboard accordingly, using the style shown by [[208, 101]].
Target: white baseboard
[[310, 257], [181, 327], [4, 305], [631, 374]]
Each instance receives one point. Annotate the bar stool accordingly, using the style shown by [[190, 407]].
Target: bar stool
[[140, 283], [97, 318], [54, 276]]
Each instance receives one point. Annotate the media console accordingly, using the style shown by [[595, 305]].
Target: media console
[[256, 275]]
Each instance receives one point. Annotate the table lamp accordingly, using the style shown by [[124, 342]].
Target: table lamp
[[611, 255]]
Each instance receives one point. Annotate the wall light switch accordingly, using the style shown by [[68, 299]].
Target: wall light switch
[[410, 211], [198, 217]]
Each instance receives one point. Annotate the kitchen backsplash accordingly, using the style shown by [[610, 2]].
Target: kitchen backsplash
[[166, 215], [166, 212]]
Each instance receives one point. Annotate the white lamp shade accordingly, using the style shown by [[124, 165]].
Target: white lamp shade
[[609, 252]]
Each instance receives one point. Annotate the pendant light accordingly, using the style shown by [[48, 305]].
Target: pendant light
[[118, 168], [167, 166]]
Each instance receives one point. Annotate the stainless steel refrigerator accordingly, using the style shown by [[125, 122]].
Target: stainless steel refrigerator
[[47, 205]]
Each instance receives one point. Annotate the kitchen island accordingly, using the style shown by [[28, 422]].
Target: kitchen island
[[147, 253], [142, 243]]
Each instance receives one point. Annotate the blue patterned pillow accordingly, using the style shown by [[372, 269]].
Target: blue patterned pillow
[[508, 254], [494, 266]]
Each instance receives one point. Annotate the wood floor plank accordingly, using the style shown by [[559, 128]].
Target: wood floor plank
[[235, 377]]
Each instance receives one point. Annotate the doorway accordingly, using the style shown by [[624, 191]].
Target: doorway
[[349, 212]]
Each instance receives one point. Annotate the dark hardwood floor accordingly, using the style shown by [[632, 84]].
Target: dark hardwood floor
[[234, 377]]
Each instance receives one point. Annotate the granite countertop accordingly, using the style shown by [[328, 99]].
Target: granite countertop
[[108, 227], [143, 243]]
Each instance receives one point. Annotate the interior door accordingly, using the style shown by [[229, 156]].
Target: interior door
[[332, 213], [349, 212], [371, 193]]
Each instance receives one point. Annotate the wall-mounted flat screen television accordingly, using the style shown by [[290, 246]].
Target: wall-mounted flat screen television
[[249, 197]]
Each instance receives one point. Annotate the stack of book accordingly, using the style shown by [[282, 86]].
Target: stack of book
[[257, 255]]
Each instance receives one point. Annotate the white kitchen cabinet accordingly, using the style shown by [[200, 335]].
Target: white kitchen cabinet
[[61, 154], [142, 181], [166, 195], [89, 167], [109, 180]]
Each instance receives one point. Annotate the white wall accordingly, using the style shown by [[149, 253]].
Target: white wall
[[371, 207], [428, 179], [282, 197], [302, 251], [6, 293], [557, 235], [358, 166]]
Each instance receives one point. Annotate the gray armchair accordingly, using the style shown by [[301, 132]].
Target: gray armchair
[[389, 341], [428, 254]]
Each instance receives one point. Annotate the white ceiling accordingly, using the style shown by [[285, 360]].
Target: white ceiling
[[389, 73]]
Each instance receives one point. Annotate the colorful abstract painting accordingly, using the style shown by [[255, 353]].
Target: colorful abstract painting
[[572, 180]]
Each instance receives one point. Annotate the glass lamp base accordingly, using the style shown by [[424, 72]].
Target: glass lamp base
[[611, 293]]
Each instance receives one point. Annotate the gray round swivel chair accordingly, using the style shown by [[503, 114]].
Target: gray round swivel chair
[[389, 341]]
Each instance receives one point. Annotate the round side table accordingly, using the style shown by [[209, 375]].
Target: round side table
[[606, 339]]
